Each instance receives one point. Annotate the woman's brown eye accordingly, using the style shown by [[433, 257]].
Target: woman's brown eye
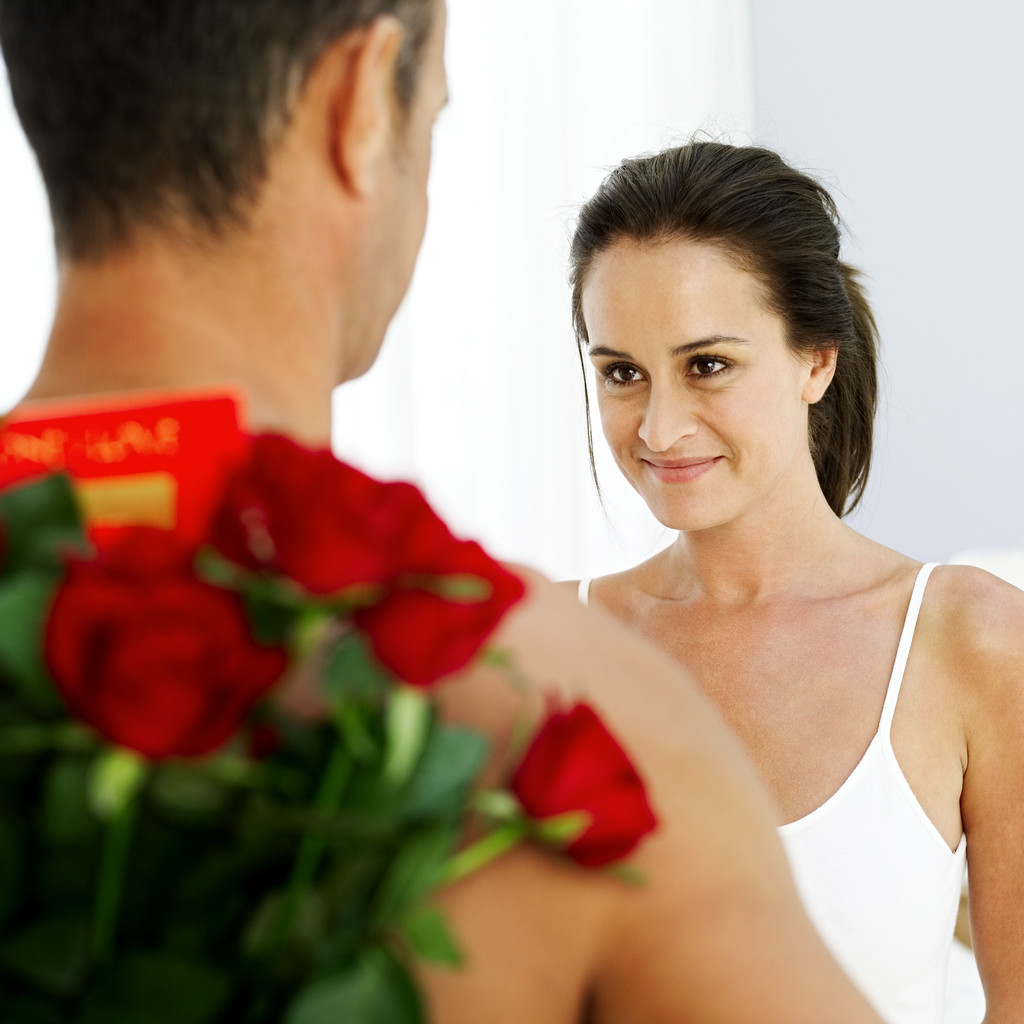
[[622, 374], [708, 366]]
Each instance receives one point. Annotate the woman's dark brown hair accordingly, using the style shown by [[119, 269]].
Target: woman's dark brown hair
[[779, 224]]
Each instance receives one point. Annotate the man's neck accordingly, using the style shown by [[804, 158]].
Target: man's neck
[[161, 316]]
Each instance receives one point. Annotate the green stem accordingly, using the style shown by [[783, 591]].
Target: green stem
[[33, 739], [499, 658], [408, 723], [234, 770], [483, 851], [313, 844], [110, 890], [497, 804]]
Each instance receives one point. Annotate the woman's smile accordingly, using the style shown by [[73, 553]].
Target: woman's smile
[[681, 471]]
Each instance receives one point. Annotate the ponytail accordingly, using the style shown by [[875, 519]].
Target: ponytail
[[842, 422]]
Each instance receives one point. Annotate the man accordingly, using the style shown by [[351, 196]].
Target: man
[[238, 190]]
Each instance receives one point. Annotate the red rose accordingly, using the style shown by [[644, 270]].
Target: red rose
[[575, 764], [305, 515], [328, 526], [418, 631], [152, 657]]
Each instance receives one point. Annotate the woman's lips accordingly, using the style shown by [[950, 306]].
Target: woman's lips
[[681, 471]]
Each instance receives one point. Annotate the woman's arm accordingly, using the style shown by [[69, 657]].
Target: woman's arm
[[984, 636]]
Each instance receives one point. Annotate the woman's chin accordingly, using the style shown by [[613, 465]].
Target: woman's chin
[[687, 520]]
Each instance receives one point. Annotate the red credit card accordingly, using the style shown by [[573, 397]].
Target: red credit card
[[154, 458]]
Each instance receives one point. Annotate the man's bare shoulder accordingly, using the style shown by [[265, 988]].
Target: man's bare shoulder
[[569, 586], [717, 902], [565, 651]]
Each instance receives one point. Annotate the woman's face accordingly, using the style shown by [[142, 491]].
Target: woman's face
[[702, 400]]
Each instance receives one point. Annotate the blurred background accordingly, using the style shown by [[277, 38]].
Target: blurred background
[[906, 109]]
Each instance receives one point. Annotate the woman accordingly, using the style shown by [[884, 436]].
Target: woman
[[734, 358]]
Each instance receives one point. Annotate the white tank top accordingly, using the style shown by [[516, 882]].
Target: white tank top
[[877, 878]]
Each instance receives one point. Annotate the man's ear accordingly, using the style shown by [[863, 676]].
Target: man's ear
[[363, 105], [822, 370]]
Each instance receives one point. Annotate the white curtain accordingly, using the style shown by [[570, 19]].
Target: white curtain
[[477, 394]]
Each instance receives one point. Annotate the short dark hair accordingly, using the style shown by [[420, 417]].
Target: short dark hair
[[781, 225], [143, 112]]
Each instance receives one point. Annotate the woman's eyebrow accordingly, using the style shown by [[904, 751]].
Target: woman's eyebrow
[[679, 350], [603, 350], [715, 339]]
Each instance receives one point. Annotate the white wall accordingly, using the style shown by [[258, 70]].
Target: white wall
[[911, 111], [27, 270]]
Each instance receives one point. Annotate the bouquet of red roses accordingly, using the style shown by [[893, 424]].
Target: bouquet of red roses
[[183, 841]]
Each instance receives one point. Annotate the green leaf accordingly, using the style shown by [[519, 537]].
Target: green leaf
[[12, 864], [308, 925], [213, 567], [351, 672], [414, 872], [25, 600], [271, 619], [314, 629], [66, 818], [41, 523], [189, 794], [274, 603], [451, 762], [31, 1010], [232, 769], [51, 954], [378, 990], [63, 878], [53, 736], [141, 988], [427, 932], [353, 722]]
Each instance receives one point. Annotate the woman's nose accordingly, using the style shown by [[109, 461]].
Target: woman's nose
[[667, 419]]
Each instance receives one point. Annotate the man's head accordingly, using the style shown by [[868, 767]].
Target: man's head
[[154, 113]]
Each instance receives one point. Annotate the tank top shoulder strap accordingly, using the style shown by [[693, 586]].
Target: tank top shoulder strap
[[903, 649], [584, 592]]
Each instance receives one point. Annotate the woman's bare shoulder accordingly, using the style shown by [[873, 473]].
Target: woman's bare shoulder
[[976, 622], [984, 608]]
